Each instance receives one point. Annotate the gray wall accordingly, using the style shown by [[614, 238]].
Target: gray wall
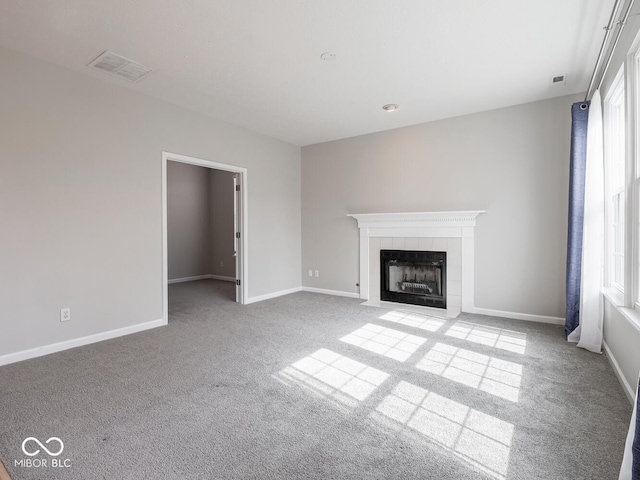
[[621, 337], [81, 201], [199, 221], [512, 162], [188, 220]]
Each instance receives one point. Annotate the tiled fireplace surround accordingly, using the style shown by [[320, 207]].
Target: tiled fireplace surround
[[450, 232]]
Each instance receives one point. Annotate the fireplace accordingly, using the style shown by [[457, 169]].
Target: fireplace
[[414, 277], [450, 232]]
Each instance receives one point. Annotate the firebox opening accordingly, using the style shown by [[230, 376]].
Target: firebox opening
[[414, 277]]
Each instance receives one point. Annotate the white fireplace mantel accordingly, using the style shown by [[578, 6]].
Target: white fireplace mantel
[[434, 225], [417, 219]]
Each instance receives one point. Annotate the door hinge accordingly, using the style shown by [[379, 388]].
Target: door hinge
[[237, 235], [237, 282], [237, 188]]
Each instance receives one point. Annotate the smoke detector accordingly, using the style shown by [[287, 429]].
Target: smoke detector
[[390, 107], [120, 66]]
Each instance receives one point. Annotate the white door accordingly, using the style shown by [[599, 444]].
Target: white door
[[237, 233]]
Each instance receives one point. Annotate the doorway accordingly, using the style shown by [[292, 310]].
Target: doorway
[[240, 240]]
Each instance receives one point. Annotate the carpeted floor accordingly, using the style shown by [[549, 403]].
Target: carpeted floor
[[318, 387]]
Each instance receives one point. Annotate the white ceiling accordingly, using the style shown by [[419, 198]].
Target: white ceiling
[[256, 63]]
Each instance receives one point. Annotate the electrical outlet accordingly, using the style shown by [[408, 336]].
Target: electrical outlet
[[317, 273], [65, 314], [221, 263], [311, 273]]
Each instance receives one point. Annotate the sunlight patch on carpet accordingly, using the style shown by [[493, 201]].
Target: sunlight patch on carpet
[[385, 341], [415, 320], [501, 338], [481, 440], [335, 376], [488, 374]]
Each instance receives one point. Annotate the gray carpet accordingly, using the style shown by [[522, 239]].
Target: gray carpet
[[319, 387]]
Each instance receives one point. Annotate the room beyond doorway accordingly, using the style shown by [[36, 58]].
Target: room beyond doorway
[[235, 246], [199, 298]]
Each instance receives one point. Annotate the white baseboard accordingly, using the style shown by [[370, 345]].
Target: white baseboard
[[208, 276], [223, 278], [78, 342], [520, 316], [628, 390], [268, 296], [336, 293], [188, 279]]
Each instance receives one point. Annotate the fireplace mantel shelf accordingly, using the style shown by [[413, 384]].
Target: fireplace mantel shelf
[[417, 219]]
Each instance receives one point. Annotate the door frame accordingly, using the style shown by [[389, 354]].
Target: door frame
[[243, 273]]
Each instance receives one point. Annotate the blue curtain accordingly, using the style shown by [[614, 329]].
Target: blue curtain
[[579, 118]]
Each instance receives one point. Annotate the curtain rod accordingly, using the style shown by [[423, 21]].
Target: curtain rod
[[622, 23], [608, 29]]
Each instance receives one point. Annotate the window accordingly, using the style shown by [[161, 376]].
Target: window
[[622, 187], [633, 182], [622, 184], [632, 176], [615, 159]]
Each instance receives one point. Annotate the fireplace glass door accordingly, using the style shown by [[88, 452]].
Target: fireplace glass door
[[413, 277]]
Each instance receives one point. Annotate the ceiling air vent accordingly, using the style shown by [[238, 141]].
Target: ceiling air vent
[[119, 66], [560, 79]]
